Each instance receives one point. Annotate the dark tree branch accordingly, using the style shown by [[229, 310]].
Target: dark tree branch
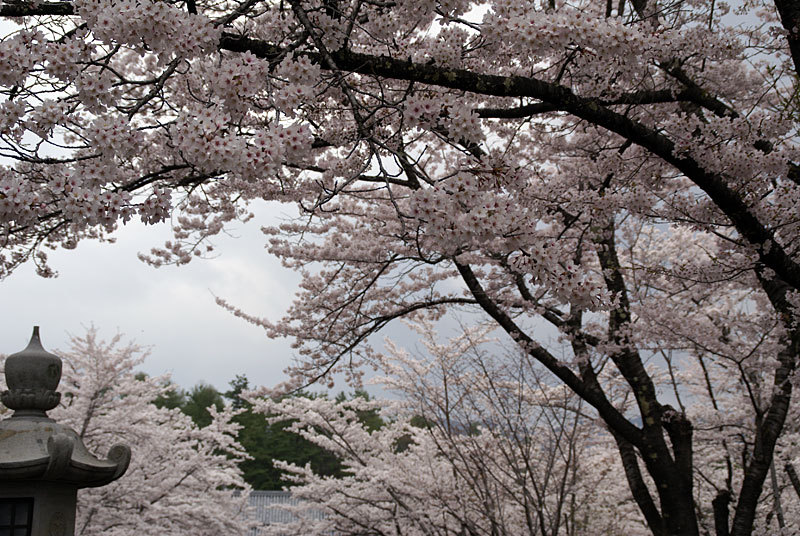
[[612, 417], [789, 12], [793, 477], [692, 94], [641, 494], [720, 507], [25, 9], [672, 474], [561, 98], [630, 464], [516, 113], [768, 428]]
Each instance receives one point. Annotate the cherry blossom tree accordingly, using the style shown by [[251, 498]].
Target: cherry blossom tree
[[182, 479], [497, 450], [477, 443], [625, 172]]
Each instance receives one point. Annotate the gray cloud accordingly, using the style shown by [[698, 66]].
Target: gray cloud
[[171, 309]]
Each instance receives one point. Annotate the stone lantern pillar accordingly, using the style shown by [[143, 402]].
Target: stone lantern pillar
[[43, 463]]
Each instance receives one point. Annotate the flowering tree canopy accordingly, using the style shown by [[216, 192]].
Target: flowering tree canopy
[[182, 479], [477, 444], [481, 443], [623, 171]]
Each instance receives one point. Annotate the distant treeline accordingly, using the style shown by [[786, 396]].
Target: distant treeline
[[264, 442]]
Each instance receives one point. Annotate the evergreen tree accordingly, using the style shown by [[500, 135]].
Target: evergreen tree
[[197, 401], [266, 442]]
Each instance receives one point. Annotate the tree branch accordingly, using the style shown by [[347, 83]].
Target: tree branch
[[641, 494], [559, 97], [793, 477], [612, 417], [26, 9], [720, 506]]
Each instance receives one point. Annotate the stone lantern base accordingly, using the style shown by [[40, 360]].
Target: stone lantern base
[[53, 507]]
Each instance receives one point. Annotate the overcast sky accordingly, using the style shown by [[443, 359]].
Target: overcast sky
[[171, 309]]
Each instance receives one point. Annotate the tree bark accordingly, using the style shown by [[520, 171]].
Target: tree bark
[[720, 505], [793, 477]]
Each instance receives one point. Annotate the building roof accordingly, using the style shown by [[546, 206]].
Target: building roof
[[266, 508]]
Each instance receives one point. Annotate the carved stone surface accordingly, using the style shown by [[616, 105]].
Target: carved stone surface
[[58, 524], [42, 449], [53, 505], [34, 367], [36, 399]]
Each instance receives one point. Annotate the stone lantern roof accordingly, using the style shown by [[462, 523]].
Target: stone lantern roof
[[33, 447]]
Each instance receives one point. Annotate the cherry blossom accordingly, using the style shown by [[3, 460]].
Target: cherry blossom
[[624, 173]]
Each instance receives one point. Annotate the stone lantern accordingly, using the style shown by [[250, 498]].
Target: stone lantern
[[43, 463]]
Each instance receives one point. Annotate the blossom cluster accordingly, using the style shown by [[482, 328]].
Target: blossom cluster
[[157, 207], [568, 282], [45, 117], [448, 48], [456, 118], [160, 25], [729, 145], [295, 78], [113, 135], [76, 198], [458, 215], [298, 69], [10, 113], [95, 88], [330, 30], [235, 78], [291, 97], [20, 204], [419, 110], [18, 54], [541, 32], [82, 205], [463, 124], [205, 141], [64, 57]]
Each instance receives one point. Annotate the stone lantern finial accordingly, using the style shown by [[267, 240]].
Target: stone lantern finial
[[32, 376]]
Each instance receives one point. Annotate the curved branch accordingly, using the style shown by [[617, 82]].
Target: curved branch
[[559, 97], [612, 417], [562, 99]]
